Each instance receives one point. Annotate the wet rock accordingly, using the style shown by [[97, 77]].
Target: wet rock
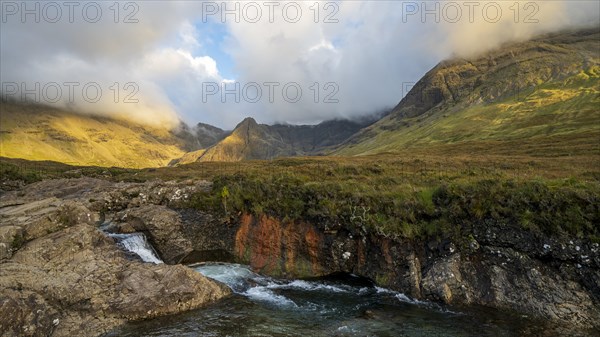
[[61, 276], [367, 314], [494, 270], [78, 273], [414, 275], [211, 238], [164, 229], [443, 281]]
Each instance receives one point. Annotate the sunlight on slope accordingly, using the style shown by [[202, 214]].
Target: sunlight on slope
[[567, 108], [41, 133], [191, 157]]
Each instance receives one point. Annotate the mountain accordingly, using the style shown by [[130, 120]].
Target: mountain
[[539, 97], [208, 135], [200, 136], [37, 132], [314, 139], [250, 140]]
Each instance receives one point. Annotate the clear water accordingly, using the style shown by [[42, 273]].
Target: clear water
[[348, 306]]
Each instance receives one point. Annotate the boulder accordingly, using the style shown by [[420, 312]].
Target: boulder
[[164, 230], [77, 282]]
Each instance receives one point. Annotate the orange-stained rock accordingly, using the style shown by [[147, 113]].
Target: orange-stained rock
[[266, 251], [279, 248], [313, 241], [241, 237]]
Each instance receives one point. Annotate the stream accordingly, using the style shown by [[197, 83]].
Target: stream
[[338, 305]]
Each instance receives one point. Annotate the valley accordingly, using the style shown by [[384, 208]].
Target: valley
[[474, 203]]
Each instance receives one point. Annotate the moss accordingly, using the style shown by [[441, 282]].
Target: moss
[[382, 280], [17, 242], [303, 269]]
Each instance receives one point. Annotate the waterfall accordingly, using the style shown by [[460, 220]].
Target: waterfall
[[137, 244]]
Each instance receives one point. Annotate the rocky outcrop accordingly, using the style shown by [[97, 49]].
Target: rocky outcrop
[[493, 270], [50, 246], [163, 228], [61, 276], [77, 282]]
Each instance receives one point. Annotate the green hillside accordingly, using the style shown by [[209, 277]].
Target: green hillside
[[540, 97]]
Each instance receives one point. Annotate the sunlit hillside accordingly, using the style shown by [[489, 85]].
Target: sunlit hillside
[[535, 98], [40, 133], [560, 113]]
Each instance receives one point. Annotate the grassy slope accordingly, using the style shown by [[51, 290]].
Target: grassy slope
[[40, 133], [410, 194], [545, 118]]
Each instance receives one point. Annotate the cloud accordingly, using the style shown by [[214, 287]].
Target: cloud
[[349, 58], [379, 48], [85, 50]]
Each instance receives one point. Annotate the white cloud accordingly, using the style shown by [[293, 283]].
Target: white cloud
[[374, 51]]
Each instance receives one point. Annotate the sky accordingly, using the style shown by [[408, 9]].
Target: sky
[[297, 62]]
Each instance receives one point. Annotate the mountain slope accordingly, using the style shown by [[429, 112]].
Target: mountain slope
[[200, 136], [208, 135], [37, 132], [250, 140], [545, 91]]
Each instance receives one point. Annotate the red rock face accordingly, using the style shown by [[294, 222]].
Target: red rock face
[[425, 270], [314, 243], [241, 237], [279, 248]]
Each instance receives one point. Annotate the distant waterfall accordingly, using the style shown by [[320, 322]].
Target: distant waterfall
[[137, 244]]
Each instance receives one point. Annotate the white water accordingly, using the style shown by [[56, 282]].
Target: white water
[[330, 306], [245, 282], [137, 244], [265, 289]]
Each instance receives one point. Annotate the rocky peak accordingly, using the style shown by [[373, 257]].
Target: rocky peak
[[248, 121], [502, 72]]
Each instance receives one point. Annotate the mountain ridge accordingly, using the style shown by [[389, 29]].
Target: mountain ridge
[[38, 132], [253, 141], [514, 92], [543, 93]]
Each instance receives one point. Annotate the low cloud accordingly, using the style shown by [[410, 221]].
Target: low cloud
[[349, 58]]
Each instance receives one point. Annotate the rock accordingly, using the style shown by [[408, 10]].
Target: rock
[[120, 228], [443, 281], [367, 314], [11, 239], [212, 240], [100, 195], [25, 313], [164, 229], [528, 285], [520, 279], [71, 272], [414, 275], [77, 274], [61, 276]]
